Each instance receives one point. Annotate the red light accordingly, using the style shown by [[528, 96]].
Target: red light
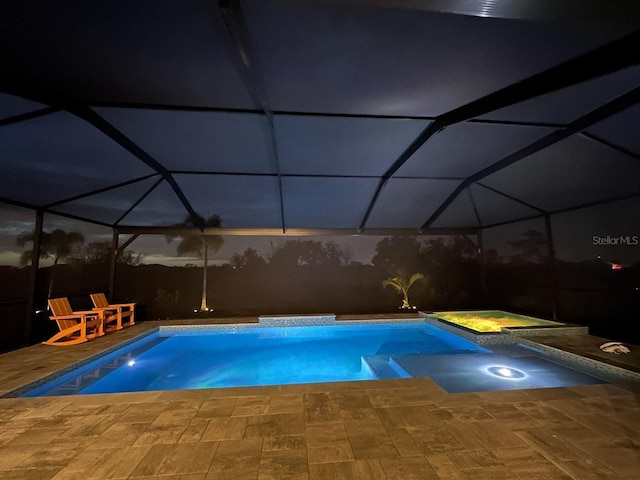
[[616, 266]]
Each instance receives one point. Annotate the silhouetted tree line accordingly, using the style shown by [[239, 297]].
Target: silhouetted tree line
[[295, 253], [437, 267], [69, 247], [62, 246], [100, 252]]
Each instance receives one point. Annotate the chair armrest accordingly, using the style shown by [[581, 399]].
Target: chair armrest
[[86, 312], [132, 305], [75, 315]]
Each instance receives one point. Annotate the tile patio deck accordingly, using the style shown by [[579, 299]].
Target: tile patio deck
[[400, 429]]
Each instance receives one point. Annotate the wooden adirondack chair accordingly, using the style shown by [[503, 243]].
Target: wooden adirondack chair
[[75, 327], [114, 312]]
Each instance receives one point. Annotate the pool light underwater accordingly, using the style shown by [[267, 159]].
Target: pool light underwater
[[506, 372]]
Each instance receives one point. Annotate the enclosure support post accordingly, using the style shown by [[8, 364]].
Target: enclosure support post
[[113, 263], [552, 266], [482, 260], [33, 277]]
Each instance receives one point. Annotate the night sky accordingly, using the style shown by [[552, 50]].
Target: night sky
[[351, 87]]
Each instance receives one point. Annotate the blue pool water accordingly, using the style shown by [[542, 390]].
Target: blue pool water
[[215, 358]]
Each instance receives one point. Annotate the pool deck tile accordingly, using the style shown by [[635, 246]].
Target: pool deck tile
[[356, 470], [510, 416], [469, 460], [330, 454], [247, 406], [412, 468], [403, 442], [225, 428], [397, 429], [434, 439], [285, 404], [237, 459], [444, 467]]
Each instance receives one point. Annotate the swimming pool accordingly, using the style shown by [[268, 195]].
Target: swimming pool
[[170, 359]]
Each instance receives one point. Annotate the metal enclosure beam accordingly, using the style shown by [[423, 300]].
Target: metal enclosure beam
[[113, 264], [475, 207], [510, 197], [426, 134], [595, 203], [252, 78], [23, 88], [293, 113], [30, 206], [292, 232], [611, 145], [300, 175], [28, 116], [99, 190], [114, 134], [132, 238], [33, 278], [515, 220], [482, 261], [551, 252], [139, 201], [615, 106], [601, 61], [598, 62]]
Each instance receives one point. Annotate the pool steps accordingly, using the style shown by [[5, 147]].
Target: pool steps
[[382, 367]]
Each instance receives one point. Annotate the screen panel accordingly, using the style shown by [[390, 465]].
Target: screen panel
[[326, 202], [260, 275], [161, 207], [569, 173], [564, 106], [16, 244], [108, 206], [332, 57], [59, 156], [407, 203], [517, 263], [460, 213], [241, 201], [621, 129], [172, 53], [495, 208], [198, 141], [598, 267], [517, 243], [462, 150], [10, 105], [340, 145], [605, 234]]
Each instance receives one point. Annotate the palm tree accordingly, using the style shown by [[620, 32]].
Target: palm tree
[[57, 245], [200, 245], [402, 284]]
